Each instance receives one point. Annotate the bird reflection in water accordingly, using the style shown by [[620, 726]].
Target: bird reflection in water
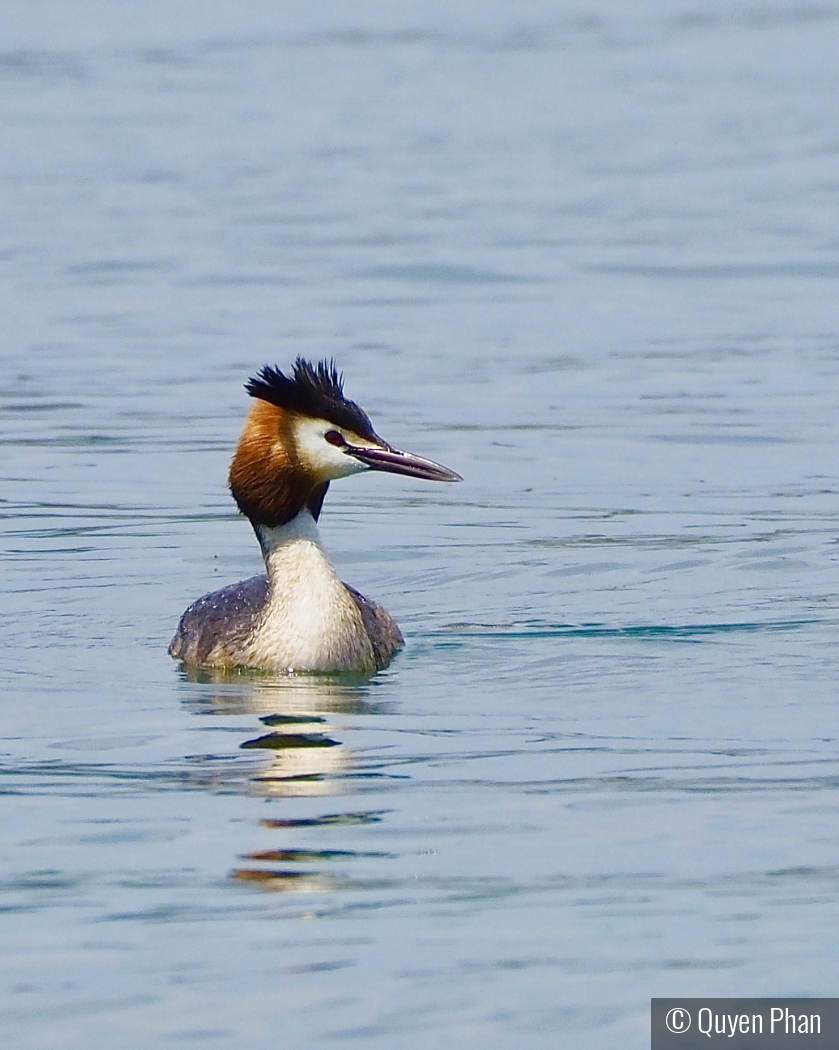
[[298, 755]]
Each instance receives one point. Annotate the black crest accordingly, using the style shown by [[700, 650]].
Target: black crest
[[312, 390]]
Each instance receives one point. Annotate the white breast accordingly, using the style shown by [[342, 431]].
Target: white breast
[[310, 622]]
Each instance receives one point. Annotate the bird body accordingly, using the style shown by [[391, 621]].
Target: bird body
[[301, 434]]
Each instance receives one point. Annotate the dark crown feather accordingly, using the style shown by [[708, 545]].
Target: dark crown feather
[[312, 390]]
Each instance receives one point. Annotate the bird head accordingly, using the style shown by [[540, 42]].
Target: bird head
[[301, 433]]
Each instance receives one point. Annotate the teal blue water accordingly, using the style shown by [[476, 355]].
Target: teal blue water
[[586, 255]]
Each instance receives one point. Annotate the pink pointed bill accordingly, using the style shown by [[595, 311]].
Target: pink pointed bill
[[394, 461]]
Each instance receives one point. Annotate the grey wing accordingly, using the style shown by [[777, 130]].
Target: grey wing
[[220, 621], [385, 637]]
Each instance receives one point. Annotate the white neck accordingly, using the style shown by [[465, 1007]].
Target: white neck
[[275, 540], [310, 622]]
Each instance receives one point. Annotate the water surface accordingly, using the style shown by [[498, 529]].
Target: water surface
[[584, 254]]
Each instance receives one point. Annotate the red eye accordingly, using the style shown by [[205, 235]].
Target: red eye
[[334, 438]]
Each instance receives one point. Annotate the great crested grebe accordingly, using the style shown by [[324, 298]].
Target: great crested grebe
[[300, 434]]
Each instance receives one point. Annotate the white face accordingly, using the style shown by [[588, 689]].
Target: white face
[[327, 461]]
